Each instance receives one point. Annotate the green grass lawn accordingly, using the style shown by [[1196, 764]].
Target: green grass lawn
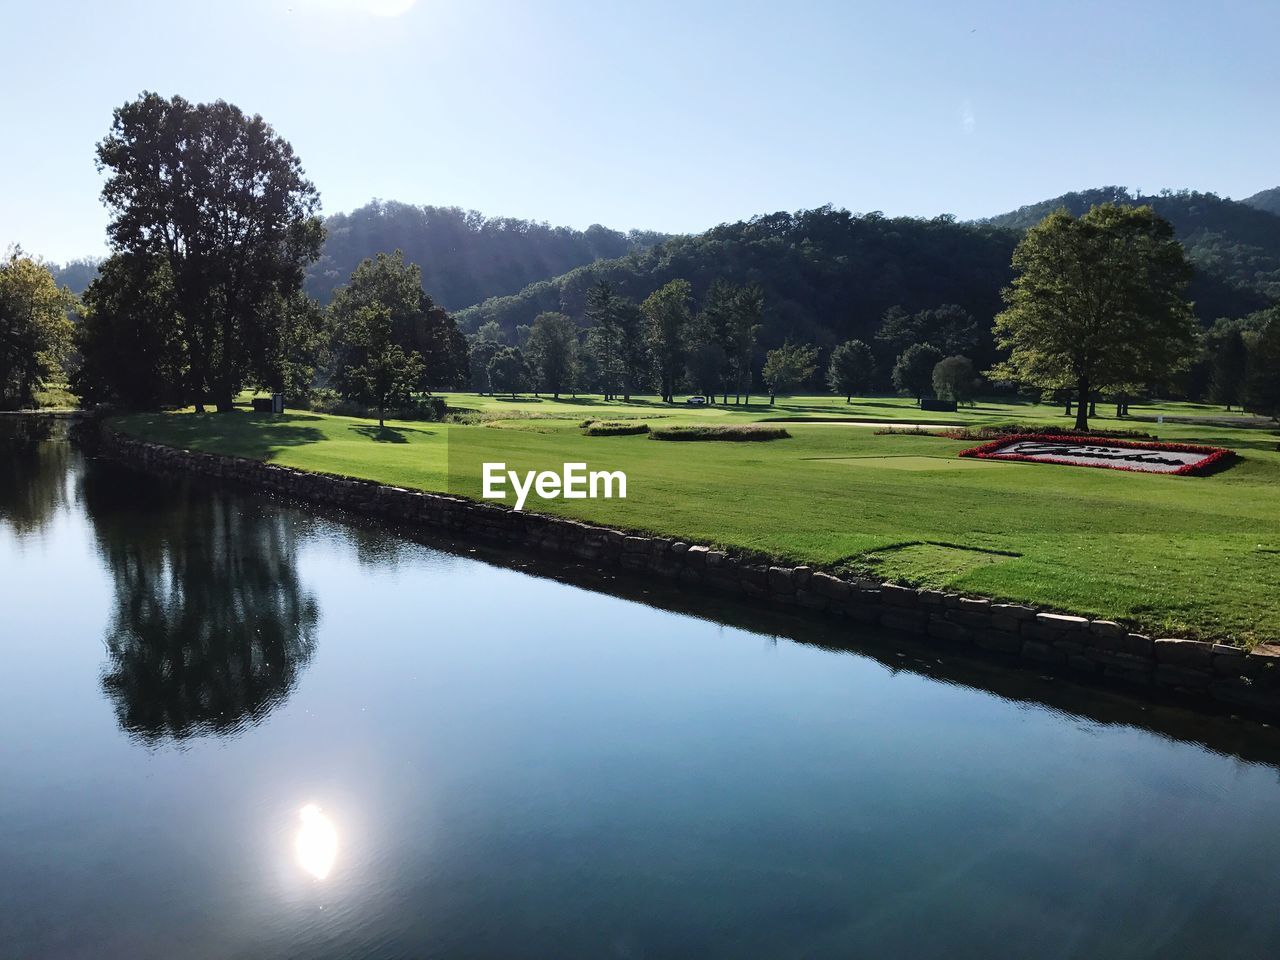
[[1186, 555]]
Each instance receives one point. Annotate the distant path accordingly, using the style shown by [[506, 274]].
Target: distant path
[[879, 424], [1246, 423]]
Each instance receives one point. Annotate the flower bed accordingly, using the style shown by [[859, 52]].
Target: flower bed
[[1172, 459]]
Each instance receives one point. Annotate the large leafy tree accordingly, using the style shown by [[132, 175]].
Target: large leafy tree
[[508, 371], [852, 369], [418, 325], [552, 351], [221, 200], [955, 378], [35, 330], [667, 316], [913, 373], [386, 374], [1097, 303], [788, 367], [132, 352]]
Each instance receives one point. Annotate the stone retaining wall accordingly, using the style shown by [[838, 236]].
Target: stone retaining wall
[[1083, 648]]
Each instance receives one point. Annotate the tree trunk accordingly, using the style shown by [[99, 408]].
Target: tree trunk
[[1082, 408], [772, 398]]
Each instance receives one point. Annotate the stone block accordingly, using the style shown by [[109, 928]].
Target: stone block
[[1184, 653]]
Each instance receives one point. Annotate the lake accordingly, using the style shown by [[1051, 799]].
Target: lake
[[235, 728]]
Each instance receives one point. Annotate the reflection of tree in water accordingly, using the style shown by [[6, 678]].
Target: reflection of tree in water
[[33, 473], [211, 626]]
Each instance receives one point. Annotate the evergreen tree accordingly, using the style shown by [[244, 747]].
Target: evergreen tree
[[1229, 367], [741, 336], [604, 338]]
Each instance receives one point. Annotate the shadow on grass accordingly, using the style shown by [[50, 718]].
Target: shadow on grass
[[239, 433], [383, 434]]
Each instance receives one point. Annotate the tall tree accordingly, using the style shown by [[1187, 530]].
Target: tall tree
[[553, 342], [480, 353], [303, 347], [741, 336], [221, 199], [35, 331], [851, 370], [633, 354], [386, 374], [1229, 367], [667, 316], [1098, 302], [604, 338], [1262, 386], [913, 373], [787, 367], [716, 321]]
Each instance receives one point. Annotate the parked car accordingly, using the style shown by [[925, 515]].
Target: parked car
[[696, 401]]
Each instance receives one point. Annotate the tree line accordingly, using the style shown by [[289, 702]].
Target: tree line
[[214, 226]]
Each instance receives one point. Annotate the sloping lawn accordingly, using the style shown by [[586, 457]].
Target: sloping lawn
[[1192, 555]]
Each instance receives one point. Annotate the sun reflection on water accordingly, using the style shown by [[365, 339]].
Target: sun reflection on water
[[317, 844]]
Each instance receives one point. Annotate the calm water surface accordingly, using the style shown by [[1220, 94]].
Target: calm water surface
[[494, 764]]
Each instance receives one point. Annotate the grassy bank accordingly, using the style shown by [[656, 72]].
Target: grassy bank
[[1193, 555]]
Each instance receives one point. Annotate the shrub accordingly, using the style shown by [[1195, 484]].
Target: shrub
[[613, 428], [719, 432]]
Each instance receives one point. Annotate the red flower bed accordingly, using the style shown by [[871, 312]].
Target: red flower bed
[[1213, 456]]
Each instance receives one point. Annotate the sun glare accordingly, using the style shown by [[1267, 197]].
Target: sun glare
[[388, 8], [317, 844], [377, 8]]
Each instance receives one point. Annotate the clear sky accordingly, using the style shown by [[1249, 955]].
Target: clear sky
[[667, 115]]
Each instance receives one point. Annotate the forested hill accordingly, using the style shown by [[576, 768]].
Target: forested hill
[[465, 257], [827, 274], [1234, 244], [1268, 200]]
